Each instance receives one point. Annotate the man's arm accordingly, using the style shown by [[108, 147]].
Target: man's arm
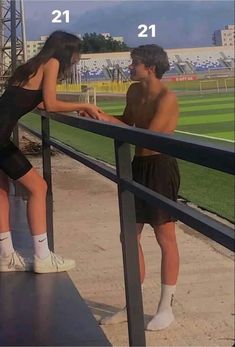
[[166, 116], [126, 118], [127, 115]]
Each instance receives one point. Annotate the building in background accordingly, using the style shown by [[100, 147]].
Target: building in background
[[116, 38], [33, 47], [224, 37]]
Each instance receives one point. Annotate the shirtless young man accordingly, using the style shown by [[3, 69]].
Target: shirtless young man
[[150, 105]]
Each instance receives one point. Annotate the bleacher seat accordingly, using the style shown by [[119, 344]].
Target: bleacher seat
[[199, 62]]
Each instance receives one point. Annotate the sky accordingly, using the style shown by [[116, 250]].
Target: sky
[[178, 24]]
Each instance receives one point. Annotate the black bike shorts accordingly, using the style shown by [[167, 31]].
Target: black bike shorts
[[12, 161]]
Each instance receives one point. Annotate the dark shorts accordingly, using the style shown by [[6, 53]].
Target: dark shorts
[[159, 173], [12, 161]]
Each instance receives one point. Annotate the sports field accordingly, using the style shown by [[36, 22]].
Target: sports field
[[210, 117]]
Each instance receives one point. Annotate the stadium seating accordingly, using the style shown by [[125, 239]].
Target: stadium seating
[[187, 61], [204, 62]]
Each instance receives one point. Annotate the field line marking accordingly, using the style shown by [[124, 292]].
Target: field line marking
[[206, 136]]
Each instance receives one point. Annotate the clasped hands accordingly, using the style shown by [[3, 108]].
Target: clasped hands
[[92, 111], [86, 110]]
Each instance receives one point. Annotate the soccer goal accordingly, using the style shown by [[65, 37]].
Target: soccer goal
[[228, 83], [209, 85], [87, 95]]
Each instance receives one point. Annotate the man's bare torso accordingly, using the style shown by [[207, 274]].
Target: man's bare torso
[[143, 112]]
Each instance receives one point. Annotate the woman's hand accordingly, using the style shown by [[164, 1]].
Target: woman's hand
[[89, 110], [101, 116]]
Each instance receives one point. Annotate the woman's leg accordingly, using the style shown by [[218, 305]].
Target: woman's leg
[[36, 212], [6, 245], [36, 206], [45, 261], [4, 203]]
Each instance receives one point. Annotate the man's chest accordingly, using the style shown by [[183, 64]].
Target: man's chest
[[143, 113]]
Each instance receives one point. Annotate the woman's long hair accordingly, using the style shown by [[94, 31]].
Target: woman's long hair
[[60, 45]]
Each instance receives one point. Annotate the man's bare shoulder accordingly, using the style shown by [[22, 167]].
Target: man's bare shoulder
[[168, 103], [168, 96]]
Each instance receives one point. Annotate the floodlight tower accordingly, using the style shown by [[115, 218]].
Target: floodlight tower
[[12, 37]]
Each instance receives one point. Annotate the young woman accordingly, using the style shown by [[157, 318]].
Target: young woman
[[33, 84]]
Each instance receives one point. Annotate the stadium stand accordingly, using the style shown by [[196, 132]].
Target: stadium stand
[[106, 66]]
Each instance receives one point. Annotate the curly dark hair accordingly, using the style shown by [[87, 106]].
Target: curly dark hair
[[152, 55]]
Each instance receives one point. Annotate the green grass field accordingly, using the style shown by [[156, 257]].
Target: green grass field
[[206, 117]]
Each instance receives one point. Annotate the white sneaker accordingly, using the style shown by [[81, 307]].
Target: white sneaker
[[15, 262], [52, 263], [118, 317]]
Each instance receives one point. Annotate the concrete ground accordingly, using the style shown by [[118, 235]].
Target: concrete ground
[[86, 228]]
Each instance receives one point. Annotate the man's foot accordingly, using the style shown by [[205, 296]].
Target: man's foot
[[15, 262], [161, 320], [118, 317], [52, 263]]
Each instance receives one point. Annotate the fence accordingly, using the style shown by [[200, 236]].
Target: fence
[[212, 156]]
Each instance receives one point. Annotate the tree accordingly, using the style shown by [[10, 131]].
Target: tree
[[97, 43]]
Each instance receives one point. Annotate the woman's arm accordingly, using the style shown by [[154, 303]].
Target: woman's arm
[[50, 75], [103, 117], [41, 106], [125, 119]]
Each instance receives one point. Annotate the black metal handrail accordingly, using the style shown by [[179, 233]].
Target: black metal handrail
[[206, 154]]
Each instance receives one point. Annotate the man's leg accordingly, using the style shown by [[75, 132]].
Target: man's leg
[[166, 237], [121, 316], [139, 228]]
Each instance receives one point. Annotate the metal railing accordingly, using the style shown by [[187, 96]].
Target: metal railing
[[213, 156]]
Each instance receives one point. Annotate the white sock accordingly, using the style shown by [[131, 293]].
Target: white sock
[[6, 246], [164, 316], [118, 317], [41, 246]]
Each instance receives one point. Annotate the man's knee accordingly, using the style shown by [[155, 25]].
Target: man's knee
[[139, 228], [165, 235]]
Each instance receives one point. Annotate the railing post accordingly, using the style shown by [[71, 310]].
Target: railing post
[[19, 191], [46, 159], [130, 248]]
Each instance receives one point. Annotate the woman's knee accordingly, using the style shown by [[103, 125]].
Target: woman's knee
[[34, 182], [42, 186], [4, 184]]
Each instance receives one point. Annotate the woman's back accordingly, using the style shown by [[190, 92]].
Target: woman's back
[[14, 103]]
